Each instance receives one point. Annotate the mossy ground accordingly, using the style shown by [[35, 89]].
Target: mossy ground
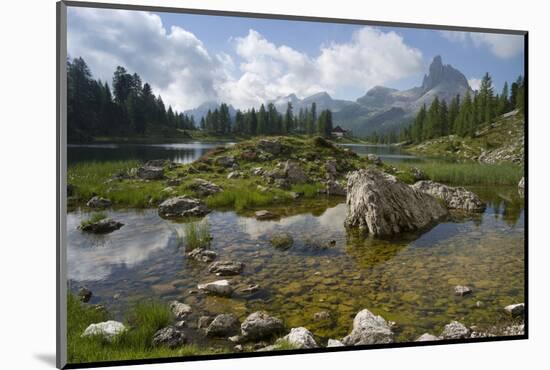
[[247, 191]]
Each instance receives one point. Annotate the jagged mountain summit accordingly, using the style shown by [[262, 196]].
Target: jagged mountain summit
[[382, 108]]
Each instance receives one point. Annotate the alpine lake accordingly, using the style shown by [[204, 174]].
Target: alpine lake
[[409, 280]]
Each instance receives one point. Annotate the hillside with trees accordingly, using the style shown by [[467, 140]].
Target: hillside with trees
[[462, 116], [131, 109]]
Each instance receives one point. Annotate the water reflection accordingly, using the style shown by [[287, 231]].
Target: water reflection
[[177, 152], [408, 280]]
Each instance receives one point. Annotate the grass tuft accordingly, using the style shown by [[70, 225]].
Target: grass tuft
[[194, 234]]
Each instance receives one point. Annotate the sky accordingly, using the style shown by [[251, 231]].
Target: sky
[[191, 59]]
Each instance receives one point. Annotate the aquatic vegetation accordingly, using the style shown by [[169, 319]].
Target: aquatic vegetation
[[194, 234]]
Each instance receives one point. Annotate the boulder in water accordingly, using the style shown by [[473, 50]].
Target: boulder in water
[[454, 198], [182, 206], [385, 206]]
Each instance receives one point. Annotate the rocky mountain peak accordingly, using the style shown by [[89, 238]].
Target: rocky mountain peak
[[440, 73]]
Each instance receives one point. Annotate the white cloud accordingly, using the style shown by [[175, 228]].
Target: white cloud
[[474, 83], [174, 62], [181, 68], [501, 45], [370, 58]]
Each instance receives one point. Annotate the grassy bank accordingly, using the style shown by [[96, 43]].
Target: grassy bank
[[248, 190], [469, 173], [143, 321]]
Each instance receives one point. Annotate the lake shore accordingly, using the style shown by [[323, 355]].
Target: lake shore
[[324, 269]]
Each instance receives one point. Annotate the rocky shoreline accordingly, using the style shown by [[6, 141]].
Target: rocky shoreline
[[260, 331]]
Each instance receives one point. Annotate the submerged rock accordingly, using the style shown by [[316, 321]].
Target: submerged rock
[[203, 187], [103, 226], [223, 325], [455, 330], [99, 202], [202, 255], [385, 206], [180, 310], [108, 329], [426, 337], [224, 268], [170, 337], [368, 328], [149, 172], [259, 325], [454, 198], [182, 206], [219, 287], [515, 309], [265, 215], [282, 240], [521, 187], [462, 290], [300, 338]]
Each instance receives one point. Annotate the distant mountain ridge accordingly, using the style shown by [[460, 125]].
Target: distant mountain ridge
[[382, 108]]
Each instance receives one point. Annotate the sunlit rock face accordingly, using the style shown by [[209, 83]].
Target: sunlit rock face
[[385, 206]]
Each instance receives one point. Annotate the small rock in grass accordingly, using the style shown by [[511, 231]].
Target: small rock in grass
[[515, 309], [462, 290], [108, 330], [170, 337]]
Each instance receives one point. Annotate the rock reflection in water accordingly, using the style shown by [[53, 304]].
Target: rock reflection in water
[[409, 280]]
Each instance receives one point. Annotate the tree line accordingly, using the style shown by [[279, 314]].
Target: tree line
[[462, 116], [130, 108], [268, 121]]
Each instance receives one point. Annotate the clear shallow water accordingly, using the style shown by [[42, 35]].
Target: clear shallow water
[[177, 152], [409, 280]]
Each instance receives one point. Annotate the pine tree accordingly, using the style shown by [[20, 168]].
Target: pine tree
[[289, 119]]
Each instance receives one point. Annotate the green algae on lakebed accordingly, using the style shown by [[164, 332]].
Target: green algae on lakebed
[[408, 280]]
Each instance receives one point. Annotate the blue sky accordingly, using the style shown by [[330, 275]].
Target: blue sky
[[190, 59]]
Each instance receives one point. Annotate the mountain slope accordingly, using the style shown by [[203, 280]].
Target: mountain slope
[[499, 141]]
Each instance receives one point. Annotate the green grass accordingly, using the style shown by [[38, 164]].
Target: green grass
[[143, 321], [243, 199], [307, 190], [92, 178], [96, 217], [194, 234], [469, 173]]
